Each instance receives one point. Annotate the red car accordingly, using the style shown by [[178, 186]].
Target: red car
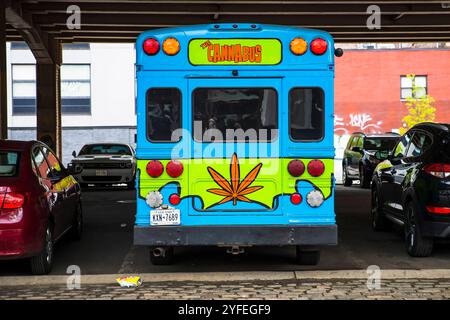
[[40, 202]]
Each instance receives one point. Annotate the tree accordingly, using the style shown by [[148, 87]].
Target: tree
[[420, 107]]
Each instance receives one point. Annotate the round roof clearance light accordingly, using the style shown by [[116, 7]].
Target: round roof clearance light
[[154, 199], [155, 168], [151, 46], [315, 198], [316, 168], [298, 46], [296, 168], [171, 46], [319, 46], [174, 168]]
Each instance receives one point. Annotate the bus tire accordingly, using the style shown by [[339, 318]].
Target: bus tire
[[161, 255], [307, 257]]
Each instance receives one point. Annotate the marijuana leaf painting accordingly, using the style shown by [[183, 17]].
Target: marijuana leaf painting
[[235, 189]]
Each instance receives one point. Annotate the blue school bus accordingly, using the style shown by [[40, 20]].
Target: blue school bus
[[235, 139]]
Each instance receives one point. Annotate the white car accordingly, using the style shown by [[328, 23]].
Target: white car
[[104, 164]]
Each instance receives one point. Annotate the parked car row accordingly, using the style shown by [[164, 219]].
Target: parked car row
[[409, 181], [40, 200]]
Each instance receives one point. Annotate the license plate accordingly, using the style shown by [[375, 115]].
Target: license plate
[[101, 173], [165, 217]]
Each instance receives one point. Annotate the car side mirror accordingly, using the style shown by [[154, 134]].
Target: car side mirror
[[382, 155], [74, 154], [356, 149]]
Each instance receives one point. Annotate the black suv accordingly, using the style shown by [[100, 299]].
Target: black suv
[[411, 187], [359, 159]]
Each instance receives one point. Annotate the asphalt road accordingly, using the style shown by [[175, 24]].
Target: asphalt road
[[107, 244]]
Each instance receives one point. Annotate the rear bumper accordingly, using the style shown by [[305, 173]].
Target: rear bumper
[[235, 235], [436, 229], [12, 245]]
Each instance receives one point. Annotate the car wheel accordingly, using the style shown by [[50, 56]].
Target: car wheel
[[345, 180], [416, 244], [43, 262], [307, 257], [77, 226], [161, 255], [379, 220], [364, 182]]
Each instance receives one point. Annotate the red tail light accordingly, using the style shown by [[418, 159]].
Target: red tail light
[[296, 198], [296, 168], [316, 168], [319, 46], [438, 210], [440, 170], [174, 168], [155, 168], [12, 200], [151, 46], [174, 199]]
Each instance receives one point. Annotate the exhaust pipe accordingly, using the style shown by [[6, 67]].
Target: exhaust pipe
[[159, 252]]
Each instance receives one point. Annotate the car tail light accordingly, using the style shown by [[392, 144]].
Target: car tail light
[[438, 210], [316, 168], [319, 46], [155, 168], [440, 170], [174, 199], [296, 168], [12, 200], [296, 198], [151, 46], [171, 46], [315, 198], [298, 46], [174, 168]]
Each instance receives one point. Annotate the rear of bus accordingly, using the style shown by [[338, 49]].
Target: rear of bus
[[235, 139]]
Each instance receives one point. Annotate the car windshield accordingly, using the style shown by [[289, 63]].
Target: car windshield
[[9, 163], [106, 149], [380, 143]]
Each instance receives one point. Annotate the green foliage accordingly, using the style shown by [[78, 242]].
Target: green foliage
[[420, 108]]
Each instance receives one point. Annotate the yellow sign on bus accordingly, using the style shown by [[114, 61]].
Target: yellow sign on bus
[[235, 51]]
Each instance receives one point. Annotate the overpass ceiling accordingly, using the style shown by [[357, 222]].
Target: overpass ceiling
[[123, 21]]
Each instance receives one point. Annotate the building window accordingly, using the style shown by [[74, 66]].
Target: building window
[[23, 89], [407, 84], [19, 45], [76, 88]]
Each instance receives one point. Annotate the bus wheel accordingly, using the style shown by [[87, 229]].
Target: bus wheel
[[307, 257], [161, 255]]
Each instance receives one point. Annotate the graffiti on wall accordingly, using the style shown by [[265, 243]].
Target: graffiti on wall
[[356, 122]]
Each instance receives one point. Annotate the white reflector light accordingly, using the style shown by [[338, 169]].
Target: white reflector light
[[154, 199], [315, 198]]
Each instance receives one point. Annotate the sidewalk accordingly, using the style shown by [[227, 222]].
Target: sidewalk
[[395, 284]]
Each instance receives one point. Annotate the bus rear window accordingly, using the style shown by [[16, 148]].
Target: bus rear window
[[9, 163], [163, 114], [306, 114], [235, 114]]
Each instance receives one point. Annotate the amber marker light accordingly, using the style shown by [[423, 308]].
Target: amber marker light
[[299, 46], [171, 46]]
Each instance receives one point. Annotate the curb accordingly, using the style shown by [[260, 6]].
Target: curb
[[228, 277]]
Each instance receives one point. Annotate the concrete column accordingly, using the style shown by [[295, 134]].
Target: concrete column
[[48, 101], [3, 85]]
